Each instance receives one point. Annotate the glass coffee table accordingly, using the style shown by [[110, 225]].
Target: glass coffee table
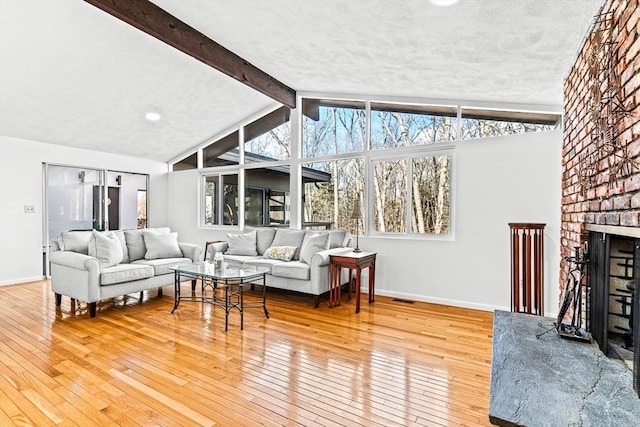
[[221, 288]]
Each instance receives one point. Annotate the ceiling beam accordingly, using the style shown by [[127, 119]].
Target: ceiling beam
[[160, 24]]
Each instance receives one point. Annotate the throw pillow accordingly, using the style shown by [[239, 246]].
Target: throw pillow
[[106, 247], [264, 237], [286, 237], [312, 245], [75, 241], [135, 242], [161, 245], [281, 253], [242, 244]]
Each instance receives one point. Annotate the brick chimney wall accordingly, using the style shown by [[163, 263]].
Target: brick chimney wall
[[601, 199]]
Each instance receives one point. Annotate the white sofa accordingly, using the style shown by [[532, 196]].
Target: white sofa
[[91, 266], [304, 269]]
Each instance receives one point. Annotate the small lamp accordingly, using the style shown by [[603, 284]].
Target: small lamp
[[357, 216]]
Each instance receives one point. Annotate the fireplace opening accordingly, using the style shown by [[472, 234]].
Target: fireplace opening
[[621, 282], [613, 276]]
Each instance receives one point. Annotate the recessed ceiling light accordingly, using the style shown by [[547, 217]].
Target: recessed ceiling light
[[444, 2], [152, 116]]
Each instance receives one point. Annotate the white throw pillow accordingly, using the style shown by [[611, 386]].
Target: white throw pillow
[[282, 253], [161, 245], [312, 245], [242, 244], [106, 247]]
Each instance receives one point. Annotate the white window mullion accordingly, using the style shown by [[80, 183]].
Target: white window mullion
[[409, 212]]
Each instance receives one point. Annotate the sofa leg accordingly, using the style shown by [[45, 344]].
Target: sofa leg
[[193, 285], [316, 301], [92, 309], [160, 291], [58, 299]]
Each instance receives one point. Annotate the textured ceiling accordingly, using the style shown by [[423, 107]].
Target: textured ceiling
[[71, 74]]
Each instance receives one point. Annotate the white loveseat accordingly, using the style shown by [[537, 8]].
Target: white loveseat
[[298, 260], [91, 266]]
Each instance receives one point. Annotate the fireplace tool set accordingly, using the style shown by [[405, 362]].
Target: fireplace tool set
[[571, 300]]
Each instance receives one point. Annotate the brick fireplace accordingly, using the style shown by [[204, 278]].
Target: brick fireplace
[[601, 150]]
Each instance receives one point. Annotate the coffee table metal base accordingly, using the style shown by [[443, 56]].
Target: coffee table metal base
[[227, 294]]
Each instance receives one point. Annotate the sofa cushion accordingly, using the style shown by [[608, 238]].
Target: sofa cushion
[[262, 262], [337, 238], [238, 260], [287, 237], [135, 241], [313, 244], [161, 266], [242, 244], [124, 273], [292, 270], [75, 241], [264, 237], [161, 245], [106, 247], [281, 253]]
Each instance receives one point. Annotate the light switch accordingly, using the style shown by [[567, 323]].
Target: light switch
[[29, 209]]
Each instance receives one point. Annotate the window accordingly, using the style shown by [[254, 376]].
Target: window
[[269, 138], [330, 191], [222, 152], [267, 199], [332, 127], [412, 195], [220, 204], [395, 157], [403, 126], [477, 123], [187, 163]]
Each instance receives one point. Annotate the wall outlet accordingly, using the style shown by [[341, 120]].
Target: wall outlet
[[29, 209]]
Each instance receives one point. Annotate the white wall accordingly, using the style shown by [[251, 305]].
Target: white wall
[[497, 181], [21, 237]]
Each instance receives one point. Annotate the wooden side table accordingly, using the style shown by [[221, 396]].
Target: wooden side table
[[353, 261]]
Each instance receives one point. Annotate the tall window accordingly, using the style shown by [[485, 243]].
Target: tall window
[[412, 195], [220, 199], [266, 196], [330, 191]]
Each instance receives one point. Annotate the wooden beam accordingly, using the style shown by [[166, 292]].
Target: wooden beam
[[160, 24]]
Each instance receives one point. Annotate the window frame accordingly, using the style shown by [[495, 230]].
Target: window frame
[[409, 153]]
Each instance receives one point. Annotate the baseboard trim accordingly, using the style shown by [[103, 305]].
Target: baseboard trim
[[22, 281], [436, 300]]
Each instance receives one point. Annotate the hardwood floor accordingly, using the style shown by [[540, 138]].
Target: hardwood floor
[[393, 364]]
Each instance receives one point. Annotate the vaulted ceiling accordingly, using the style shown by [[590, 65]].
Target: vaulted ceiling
[[74, 75]]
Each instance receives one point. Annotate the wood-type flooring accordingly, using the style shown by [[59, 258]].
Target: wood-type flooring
[[136, 364]]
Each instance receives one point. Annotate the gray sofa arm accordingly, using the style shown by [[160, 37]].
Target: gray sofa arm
[[75, 275], [213, 247], [321, 258], [191, 251]]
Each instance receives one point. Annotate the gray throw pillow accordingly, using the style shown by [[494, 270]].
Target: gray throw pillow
[[264, 237], [123, 242], [312, 245], [242, 244], [106, 247], [75, 241], [287, 237], [135, 242], [161, 245]]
